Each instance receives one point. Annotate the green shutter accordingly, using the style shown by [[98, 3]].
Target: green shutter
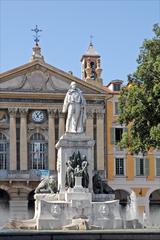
[[157, 166], [147, 167], [116, 106], [112, 135], [137, 167], [125, 129]]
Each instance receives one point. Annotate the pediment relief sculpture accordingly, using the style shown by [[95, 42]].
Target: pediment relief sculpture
[[3, 117], [39, 78], [34, 81]]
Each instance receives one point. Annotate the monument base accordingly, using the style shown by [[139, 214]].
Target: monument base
[[69, 144]]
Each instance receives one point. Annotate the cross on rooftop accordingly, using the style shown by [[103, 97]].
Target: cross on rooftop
[[91, 38], [36, 36]]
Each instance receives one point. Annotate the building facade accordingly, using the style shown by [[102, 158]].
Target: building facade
[[132, 176], [31, 122]]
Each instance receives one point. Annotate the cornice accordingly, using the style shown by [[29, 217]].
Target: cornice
[[42, 95]]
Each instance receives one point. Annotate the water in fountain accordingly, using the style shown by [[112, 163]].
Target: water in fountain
[[131, 211], [4, 213], [154, 216]]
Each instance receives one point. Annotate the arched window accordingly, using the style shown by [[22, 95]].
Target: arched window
[[3, 152], [38, 152]]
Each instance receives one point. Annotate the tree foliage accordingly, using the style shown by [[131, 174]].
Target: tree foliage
[[139, 101]]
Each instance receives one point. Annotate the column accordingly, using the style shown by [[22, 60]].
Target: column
[[61, 124], [51, 139], [100, 140], [13, 145], [23, 139], [89, 125], [89, 131]]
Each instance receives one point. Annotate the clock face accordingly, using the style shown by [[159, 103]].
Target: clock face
[[38, 116]]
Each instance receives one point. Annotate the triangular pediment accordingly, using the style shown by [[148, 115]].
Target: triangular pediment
[[41, 77]]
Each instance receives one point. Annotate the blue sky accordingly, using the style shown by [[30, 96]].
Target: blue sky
[[118, 26]]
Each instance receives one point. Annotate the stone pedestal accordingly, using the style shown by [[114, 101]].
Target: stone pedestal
[[78, 185], [67, 145]]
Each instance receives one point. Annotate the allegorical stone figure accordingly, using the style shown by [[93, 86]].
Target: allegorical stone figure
[[69, 179], [85, 175], [77, 167], [48, 184], [101, 186], [75, 107]]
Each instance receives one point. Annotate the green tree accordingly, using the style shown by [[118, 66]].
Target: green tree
[[139, 101]]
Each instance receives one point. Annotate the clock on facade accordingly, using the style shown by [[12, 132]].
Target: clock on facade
[[38, 116]]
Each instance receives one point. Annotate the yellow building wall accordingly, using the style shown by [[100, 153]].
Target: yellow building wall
[[110, 156], [151, 167], [130, 161], [140, 192], [129, 167]]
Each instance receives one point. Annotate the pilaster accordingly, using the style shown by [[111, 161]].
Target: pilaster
[[89, 124], [100, 140], [23, 139], [13, 146], [61, 124], [51, 139]]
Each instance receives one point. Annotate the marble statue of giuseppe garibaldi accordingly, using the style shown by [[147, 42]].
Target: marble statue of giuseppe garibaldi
[[75, 107]]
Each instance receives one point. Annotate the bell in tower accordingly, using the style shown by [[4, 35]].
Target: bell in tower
[[91, 69]]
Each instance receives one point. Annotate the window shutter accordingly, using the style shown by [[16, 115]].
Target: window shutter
[[157, 166], [125, 129], [147, 167], [137, 167], [112, 135], [116, 107]]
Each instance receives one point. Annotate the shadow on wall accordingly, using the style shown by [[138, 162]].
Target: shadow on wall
[[4, 207], [154, 207], [31, 203]]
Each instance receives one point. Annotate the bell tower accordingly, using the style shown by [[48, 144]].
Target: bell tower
[[91, 66]]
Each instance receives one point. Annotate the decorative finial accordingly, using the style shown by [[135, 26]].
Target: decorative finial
[[36, 36], [91, 38]]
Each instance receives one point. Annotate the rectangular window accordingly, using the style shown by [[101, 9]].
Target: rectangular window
[[116, 87], [158, 166], [142, 167], [119, 163], [116, 108], [116, 135], [3, 155]]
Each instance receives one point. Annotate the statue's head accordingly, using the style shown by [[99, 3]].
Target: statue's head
[[84, 158], [51, 177], [73, 85]]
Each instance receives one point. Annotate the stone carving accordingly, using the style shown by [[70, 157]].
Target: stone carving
[[55, 210], [77, 167], [77, 224], [70, 181], [48, 184], [75, 107], [12, 111], [104, 211], [85, 175], [3, 117], [100, 186]]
